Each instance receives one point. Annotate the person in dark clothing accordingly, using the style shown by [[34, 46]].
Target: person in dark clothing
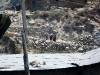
[[51, 37], [54, 37]]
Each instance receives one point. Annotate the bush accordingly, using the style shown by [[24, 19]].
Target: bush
[[36, 13], [51, 15], [56, 15], [8, 34], [44, 15], [18, 50]]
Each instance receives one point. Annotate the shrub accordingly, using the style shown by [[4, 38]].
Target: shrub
[[18, 50], [51, 15], [66, 10], [56, 15], [44, 15], [36, 13], [9, 34]]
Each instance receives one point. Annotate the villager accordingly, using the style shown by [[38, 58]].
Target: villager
[[54, 37], [51, 36]]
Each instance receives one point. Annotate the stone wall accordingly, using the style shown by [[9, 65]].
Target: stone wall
[[41, 4]]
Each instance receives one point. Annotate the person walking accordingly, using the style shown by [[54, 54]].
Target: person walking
[[51, 37], [54, 37]]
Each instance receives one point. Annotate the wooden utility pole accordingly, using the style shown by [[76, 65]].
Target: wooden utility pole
[[24, 20], [25, 57], [24, 40]]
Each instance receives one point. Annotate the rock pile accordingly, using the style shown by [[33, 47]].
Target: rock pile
[[83, 43], [97, 38], [86, 43]]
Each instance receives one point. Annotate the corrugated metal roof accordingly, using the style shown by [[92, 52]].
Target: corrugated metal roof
[[12, 62]]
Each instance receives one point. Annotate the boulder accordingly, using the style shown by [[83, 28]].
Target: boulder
[[89, 27], [31, 22]]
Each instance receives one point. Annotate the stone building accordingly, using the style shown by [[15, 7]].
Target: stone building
[[41, 4]]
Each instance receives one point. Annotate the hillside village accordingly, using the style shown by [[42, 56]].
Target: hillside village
[[77, 30]]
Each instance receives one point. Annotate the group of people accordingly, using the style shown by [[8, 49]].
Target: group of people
[[53, 37]]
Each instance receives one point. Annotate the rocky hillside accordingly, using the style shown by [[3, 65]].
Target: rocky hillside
[[76, 30]]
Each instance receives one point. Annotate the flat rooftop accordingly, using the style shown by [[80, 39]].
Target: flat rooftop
[[15, 62]]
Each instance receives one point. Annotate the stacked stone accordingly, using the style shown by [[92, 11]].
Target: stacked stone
[[86, 42], [49, 46], [97, 38]]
